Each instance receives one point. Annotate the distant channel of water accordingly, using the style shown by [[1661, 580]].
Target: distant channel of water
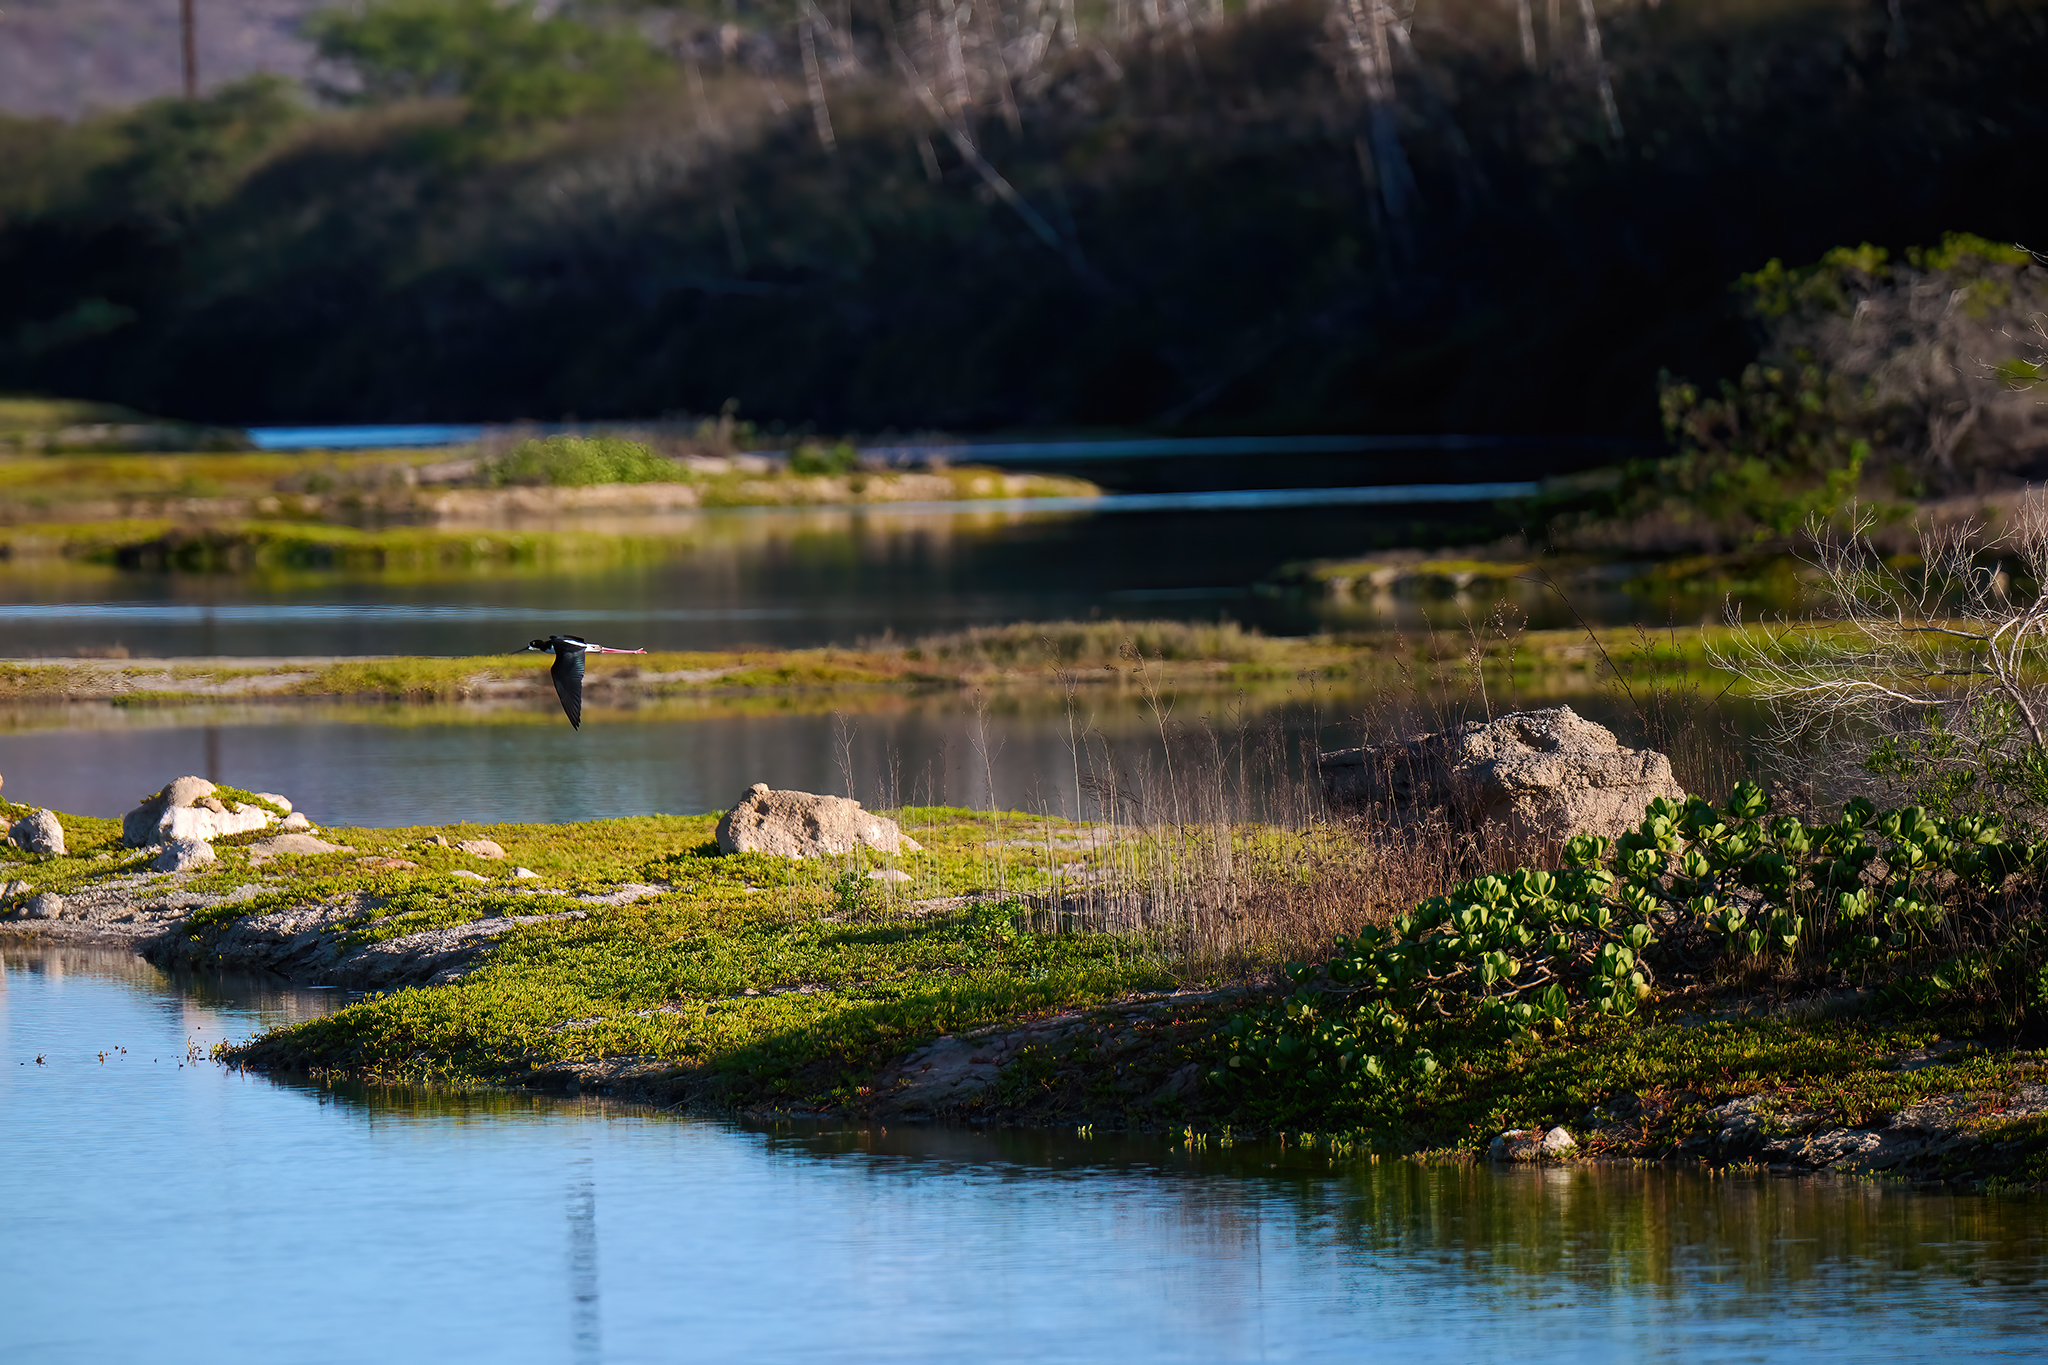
[[795, 578], [161, 1208]]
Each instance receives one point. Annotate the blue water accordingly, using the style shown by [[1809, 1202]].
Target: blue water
[[162, 1208]]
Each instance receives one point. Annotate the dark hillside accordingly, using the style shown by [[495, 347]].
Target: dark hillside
[[1198, 245]]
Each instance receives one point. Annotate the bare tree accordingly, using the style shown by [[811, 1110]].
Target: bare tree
[[1943, 667]]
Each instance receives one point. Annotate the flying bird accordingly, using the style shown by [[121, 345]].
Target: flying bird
[[568, 669]]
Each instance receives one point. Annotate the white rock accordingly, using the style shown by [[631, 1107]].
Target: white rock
[[296, 822], [519, 872], [1557, 1142], [274, 799], [465, 873], [49, 905], [182, 855], [38, 832], [803, 825], [197, 822], [188, 809], [1549, 773], [891, 875], [481, 848]]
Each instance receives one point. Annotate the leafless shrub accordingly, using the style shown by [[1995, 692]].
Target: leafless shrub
[[1932, 672]]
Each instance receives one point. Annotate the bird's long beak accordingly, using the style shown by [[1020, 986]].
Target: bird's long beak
[[604, 649]]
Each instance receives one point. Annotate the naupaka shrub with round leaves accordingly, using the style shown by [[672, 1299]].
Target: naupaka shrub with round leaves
[[1924, 905]]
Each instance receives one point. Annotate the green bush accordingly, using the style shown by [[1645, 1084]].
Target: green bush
[[577, 462], [1857, 375], [1896, 897], [510, 63], [812, 458]]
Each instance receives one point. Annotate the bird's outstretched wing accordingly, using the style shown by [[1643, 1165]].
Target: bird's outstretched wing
[[568, 675], [2040, 257]]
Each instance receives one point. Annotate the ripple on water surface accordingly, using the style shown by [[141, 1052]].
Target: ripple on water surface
[[161, 1207]]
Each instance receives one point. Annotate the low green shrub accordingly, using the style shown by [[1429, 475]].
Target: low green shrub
[[1937, 911], [812, 458], [578, 462]]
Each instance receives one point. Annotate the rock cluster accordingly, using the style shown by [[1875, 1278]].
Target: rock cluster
[[188, 809], [801, 825], [1532, 1144], [1546, 774], [185, 817]]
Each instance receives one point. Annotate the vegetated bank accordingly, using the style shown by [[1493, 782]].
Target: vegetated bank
[[1046, 656], [83, 494], [1857, 992]]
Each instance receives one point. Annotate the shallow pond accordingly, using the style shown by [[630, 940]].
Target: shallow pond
[[161, 1207]]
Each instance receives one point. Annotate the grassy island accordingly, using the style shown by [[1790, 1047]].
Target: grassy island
[[1219, 977]]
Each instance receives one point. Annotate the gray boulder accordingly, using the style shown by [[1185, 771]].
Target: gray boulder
[[802, 825], [182, 855], [1548, 774], [48, 905], [481, 848], [188, 809], [38, 832]]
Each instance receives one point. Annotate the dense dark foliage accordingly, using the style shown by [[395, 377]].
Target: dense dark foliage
[[1220, 261]]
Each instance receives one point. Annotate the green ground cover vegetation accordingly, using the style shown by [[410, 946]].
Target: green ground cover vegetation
[[786, 986]]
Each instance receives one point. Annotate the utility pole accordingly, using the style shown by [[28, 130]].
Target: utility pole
[[186, 26]]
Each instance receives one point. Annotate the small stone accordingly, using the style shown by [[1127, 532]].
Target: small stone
[[467, 875], [439, 841], [481, 848], [1557, 1142], [49, 905], [296, 822], [212, 803], [17, 887], [274, 799], [519, 872], [892, 875], [182, 855], [185, 791], [263, 850], [38, 832], [1517, 1144]]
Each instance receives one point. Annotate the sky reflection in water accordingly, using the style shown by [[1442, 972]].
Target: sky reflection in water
[[174, 1213]]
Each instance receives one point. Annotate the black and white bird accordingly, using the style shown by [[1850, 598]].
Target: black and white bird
[[568, 669]]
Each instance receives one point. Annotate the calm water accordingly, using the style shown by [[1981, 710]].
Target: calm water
[[175, 1211], [793, 578], [401, 765]]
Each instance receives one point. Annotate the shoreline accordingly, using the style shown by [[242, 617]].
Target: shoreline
[[434, 934], [1544, 662]]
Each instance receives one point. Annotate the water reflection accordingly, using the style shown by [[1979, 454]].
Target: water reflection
[[425, 765], [186, 1212], [794, 577]]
